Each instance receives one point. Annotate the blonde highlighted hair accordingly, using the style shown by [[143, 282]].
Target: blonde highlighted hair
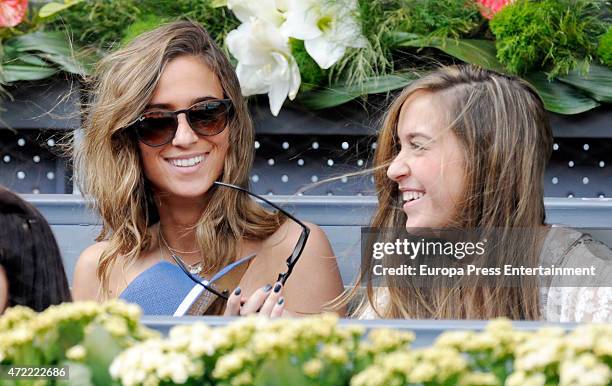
[[501, 122], [108, 163]]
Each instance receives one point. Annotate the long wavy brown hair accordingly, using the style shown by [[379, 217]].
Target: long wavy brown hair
[[108, 164], [501, 122]]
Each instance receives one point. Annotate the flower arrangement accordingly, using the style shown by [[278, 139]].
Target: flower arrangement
[[323, 53], [27, 51], [355, 45], [84, 336], [105, 344], [262, 42]]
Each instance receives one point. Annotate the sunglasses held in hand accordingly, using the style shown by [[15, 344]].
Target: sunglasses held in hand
[[282, 277], [158, 128]]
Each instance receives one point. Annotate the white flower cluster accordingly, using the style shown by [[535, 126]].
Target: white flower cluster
[[534, 358], [433, 365], [235, 353], [262, 42], [185, 354], [314, 344], [581, 358], [313, 350], [24, 331], [153, 362]]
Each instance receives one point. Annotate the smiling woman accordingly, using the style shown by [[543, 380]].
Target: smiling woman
[[167, 120], [463, 150]]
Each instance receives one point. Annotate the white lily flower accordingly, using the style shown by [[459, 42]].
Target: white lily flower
[[265, 63], [267, 10], [327, 28]]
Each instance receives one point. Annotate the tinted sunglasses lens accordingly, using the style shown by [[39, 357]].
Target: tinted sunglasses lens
[[156, 130], [209, 118]]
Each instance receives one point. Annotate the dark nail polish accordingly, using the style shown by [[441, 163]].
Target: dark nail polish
[[237, 291], [281, 301], [267, 288], [277, 287]]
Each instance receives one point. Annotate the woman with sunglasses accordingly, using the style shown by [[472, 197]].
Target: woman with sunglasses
[[166, 121]]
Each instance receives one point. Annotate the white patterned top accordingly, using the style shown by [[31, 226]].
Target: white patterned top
[[562, 247]]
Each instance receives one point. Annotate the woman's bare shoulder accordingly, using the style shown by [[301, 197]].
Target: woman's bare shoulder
[[289, 232], [315, 273], [85, 283]]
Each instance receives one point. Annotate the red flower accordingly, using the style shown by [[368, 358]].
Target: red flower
[[12, 12], [488, 8]]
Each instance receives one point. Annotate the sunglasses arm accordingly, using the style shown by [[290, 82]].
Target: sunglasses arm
[[293, 259]]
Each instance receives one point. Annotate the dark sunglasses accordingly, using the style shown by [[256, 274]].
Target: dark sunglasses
[[157, 128], [291, 260]]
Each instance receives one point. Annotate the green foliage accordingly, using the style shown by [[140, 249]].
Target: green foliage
[[555, 35], [377, 20], [605, 48], [310, 71], [104, 23], [440, 18], [27, 52], [218, 21], [380, 20], [98, 23], [145, 24]]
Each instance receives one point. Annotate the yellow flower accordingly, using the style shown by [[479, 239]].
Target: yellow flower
[[266, 343], [334, 354], [116, 326], [14, 316], [76, 353], [538, 352], [313, 367], [422, 372], [481, 342], [386, 339], [372, 376], [584, 370], [499, 325], [520, 378], [479, 379], [401, 362], [603, 346], [242, 379], [232, 363], [21, 335]]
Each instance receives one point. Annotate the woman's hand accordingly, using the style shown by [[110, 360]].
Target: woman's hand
[[267, 301]]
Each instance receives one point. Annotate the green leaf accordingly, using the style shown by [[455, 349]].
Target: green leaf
[[44, 41], [397, 38], [475, 51], [29, 59], [51, 9], [66, 63], [279, 372], [101, 348], [597, 83], [218, 3], [559, 97], [342, 93], [9, 53], [14, 73]]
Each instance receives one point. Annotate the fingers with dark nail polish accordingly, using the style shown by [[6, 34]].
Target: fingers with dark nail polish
[[267, 288], [278, 287]]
